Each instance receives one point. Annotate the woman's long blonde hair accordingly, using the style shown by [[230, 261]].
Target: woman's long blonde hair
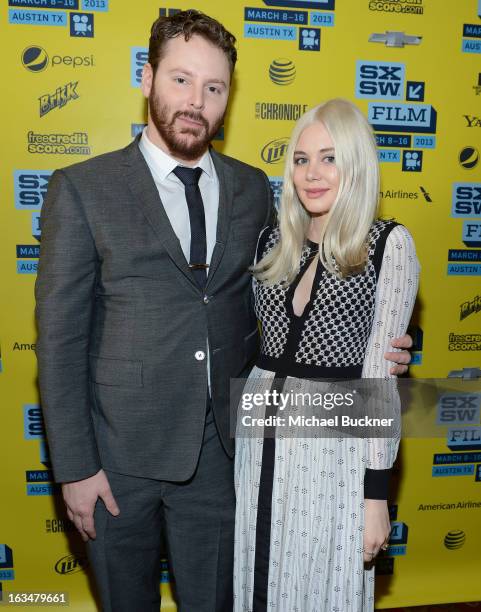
[[343, 242]]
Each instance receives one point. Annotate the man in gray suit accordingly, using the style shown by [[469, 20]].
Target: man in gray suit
[[139, 336]]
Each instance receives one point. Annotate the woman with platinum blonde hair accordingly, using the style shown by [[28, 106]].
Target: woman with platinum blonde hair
[[333, 286]]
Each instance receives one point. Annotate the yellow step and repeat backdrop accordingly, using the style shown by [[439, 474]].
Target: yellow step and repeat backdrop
[[70, 90]]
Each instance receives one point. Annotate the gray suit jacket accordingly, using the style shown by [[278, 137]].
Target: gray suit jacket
[[120, 317]]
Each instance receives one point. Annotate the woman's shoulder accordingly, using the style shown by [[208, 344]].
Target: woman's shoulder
[[268, 238], [386, 237]]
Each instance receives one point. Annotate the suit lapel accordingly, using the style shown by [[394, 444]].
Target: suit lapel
[[226, 196], [142, 185]]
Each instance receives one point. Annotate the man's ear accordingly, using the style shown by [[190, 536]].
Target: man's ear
[[147, 79]]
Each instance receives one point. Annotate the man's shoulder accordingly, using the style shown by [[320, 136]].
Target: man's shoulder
[[237, 165], [105, 163]]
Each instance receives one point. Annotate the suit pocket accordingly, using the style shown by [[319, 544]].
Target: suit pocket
[[115, 372]]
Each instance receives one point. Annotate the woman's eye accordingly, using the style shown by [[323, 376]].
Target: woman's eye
[[330, 159], [300, 161]]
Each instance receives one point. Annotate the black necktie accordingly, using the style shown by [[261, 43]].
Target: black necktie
[[198, 244]]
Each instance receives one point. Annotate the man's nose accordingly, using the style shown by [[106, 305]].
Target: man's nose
[[197, 100]]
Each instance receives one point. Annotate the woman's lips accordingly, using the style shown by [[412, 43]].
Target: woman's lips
[[315, 193]]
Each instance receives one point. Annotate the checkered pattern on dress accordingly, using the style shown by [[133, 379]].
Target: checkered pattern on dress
[[270, 305], [339, 323]]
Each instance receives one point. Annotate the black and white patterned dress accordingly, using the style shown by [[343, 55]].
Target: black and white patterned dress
[[300, 502]]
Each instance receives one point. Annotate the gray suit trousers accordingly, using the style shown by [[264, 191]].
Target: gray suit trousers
[[199, 524]]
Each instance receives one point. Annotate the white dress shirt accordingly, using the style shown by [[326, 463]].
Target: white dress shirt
[[172, 193]]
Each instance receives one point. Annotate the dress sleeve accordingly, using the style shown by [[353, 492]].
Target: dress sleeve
[[395, 296]]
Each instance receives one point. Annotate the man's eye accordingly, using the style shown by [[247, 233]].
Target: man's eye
[[180, 80], [214, 89]]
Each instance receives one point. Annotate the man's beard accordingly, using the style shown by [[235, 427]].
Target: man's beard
[[183, 148]]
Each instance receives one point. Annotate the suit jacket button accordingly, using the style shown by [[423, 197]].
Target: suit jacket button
[[200, 355], [206, 299]]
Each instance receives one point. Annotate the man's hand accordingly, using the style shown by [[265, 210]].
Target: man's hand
[[377, 527], [80, 498], [401, 358]]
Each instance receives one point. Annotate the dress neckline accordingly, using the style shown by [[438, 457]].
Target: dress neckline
[[311, 244]]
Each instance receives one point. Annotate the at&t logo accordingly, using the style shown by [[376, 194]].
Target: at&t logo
[[454, 539], [282, 71]]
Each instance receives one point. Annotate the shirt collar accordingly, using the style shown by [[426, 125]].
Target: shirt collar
[[163, 164]]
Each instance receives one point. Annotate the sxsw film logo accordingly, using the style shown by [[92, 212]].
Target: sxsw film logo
[[309, 39], [6, 563], [466, 200], [273, 152], [138, 57], [61, 96], [36, 59], [71, 564], [282, 71], [412, 161], [82, 25], [30, 187], [472, 234], [464, 438], [402, 117], [459, 409], [379, 80], [470, 307]]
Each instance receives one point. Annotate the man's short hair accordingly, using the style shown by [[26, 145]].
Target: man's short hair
[[190, 23]]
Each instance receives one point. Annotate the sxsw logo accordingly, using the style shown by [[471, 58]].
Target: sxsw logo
[[379, 80], [30, 187], [459, 409], [138, 57], [466, 200]]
